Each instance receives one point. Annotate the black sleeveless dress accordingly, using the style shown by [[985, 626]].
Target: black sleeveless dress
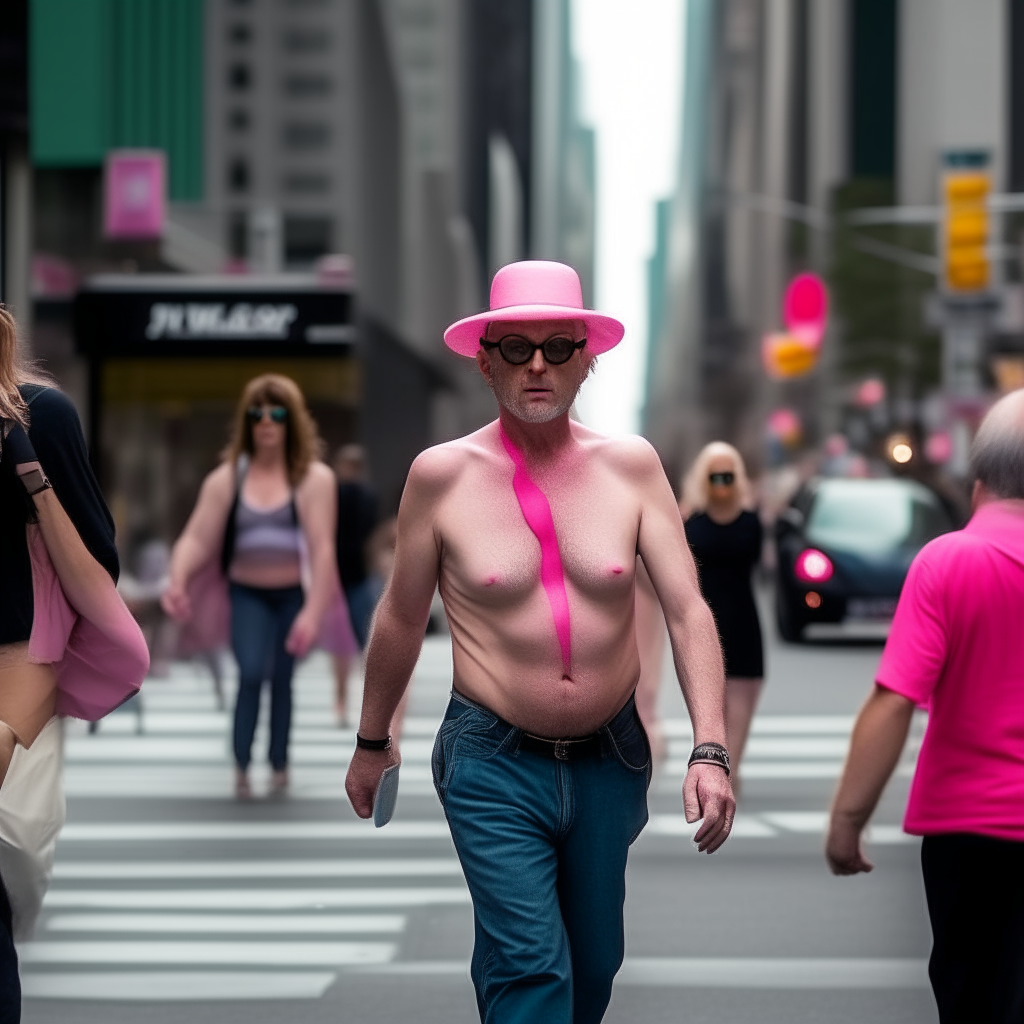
[[726, 556]]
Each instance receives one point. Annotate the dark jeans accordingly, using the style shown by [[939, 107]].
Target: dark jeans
[[975, 889], [543, 845], [10, 983], [260, 620]]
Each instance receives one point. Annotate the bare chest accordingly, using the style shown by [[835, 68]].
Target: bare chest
[[493, 557]]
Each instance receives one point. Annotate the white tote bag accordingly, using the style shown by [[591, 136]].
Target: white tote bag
[[31, 817]]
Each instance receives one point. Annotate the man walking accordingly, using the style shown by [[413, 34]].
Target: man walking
[[957, 645], [531, 527]]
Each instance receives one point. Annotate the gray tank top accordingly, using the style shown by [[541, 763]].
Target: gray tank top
[[274, 532]]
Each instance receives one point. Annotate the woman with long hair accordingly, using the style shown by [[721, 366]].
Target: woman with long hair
[[68, 645], [266, 510], [725, 536]]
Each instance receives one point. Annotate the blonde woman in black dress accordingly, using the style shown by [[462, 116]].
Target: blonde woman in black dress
[[725, 537]]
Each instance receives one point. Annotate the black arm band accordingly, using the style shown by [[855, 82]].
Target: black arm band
[[365, 744], [710, 753]]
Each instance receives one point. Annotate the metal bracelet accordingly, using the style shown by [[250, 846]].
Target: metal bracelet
[[710, 753]]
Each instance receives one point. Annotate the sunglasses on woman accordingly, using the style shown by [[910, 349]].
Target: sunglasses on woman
[[721, 479], [518, 351], [278, 413]]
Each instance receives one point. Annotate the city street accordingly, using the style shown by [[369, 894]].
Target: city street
[[172, 902]]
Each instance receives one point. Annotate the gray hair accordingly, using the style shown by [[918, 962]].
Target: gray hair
[[997, 454]]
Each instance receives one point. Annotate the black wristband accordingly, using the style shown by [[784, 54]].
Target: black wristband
[[710, 753], [35, 481], [365, 744]]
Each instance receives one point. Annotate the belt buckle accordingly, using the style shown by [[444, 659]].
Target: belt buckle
[[562, 750]]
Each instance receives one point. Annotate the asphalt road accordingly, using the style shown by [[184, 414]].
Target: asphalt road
[[172, 902]]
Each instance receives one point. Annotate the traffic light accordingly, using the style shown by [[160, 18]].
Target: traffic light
[[965, 230]]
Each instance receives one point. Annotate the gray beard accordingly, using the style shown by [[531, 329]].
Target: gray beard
[[510, 400]]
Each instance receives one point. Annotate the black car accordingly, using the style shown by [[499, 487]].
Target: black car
[[844, 548]]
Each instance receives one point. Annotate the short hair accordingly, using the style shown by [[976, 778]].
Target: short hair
[[695, 483], [997, 454], [302, 446]]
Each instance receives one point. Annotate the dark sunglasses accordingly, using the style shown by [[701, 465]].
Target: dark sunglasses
[[518, 351], [278, 413], [721, 479]]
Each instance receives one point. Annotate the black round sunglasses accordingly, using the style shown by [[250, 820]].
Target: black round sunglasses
[[518, 351], [721, 479]]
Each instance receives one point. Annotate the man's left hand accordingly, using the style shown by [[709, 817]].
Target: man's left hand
[[707, 794]]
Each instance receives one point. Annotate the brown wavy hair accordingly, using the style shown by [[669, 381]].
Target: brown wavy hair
[[302, 440], [15, 370]]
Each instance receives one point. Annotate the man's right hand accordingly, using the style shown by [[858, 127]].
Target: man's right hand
[[364, 772]]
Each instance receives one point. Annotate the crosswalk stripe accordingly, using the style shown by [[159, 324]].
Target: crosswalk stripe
[[255, 869], [249, 899], [726, 972], [176, 986], [186, 831], [249, 924], [314, 954]]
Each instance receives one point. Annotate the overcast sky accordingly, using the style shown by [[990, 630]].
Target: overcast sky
[[631, 55]]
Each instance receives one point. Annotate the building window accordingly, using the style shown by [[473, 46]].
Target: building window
[[306, 239], [306, 135], [304, 85], [306, 183], [240, 76], [238, 120], [238, 174], [306, 40]]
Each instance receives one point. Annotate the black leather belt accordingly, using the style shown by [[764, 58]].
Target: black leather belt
[[562, 750]]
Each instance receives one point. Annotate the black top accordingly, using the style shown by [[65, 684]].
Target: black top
[[56, 435], [726, 556], [357, 517]]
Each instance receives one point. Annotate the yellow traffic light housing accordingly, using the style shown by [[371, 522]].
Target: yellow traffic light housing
[[965, 230]]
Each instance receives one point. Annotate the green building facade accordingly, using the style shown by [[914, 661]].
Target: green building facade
[[107, 74]]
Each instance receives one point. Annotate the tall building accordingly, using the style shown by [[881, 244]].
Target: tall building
[[795, 113]]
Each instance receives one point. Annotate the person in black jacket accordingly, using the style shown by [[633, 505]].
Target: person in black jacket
[[45, 479], [357, 519]]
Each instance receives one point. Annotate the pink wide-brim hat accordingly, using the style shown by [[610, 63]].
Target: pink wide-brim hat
[[535, 290]]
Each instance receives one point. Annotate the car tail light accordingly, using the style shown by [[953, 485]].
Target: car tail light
[[813, 566]]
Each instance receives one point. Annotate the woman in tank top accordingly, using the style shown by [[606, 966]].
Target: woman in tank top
[[269, 498]]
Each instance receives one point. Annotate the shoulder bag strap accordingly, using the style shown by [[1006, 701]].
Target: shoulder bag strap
[[227, 551]]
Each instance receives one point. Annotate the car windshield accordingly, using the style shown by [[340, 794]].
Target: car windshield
[[872, 517]]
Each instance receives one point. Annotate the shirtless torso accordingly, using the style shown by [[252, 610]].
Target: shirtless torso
[[504, 640]]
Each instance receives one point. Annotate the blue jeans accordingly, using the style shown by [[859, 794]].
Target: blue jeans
[[543, 846], [260, 620]]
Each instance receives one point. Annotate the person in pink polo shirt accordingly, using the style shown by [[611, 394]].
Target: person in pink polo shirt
[[957, 648]]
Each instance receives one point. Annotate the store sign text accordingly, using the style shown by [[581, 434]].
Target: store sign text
[[218, 320]]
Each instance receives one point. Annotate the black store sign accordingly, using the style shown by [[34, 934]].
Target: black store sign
[[211, 318]]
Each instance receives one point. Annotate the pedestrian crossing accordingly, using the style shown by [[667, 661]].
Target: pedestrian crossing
[[166, 889]]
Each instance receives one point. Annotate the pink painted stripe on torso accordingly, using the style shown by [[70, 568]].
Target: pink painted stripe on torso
[[537, 513]]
